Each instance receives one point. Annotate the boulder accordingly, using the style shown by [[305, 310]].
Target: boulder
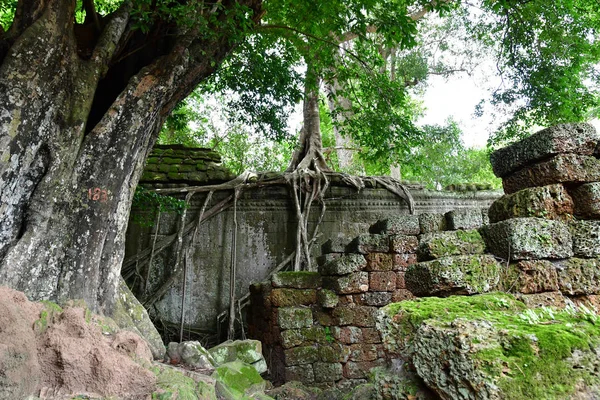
[[491, 347], [237, 381], [453, 275], [191, 354], [549, 202], [450, 243], [528, 239], [563, 168], [247, 351], [563, 138]]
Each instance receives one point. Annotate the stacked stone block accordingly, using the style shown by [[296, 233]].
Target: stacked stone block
[[547, 226]]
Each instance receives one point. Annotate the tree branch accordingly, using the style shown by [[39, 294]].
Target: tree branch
[[110, 38]]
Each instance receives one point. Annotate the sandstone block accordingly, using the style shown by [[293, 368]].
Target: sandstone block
[[450, 243], [454, 275], [294, 317], [528, 239], [586, 198], [327, 372], [399, 224], [344, 265], [361, 369], [586, 238], [304, 374], [382, 281], [546, 299], [403, 244], [563, 168], [400, 262], [429, 222], [325, 258], [550, 202], [303, 337], [356, 282], [361, 316], [296, 280], [327, 299], [528, 277], [464, 219], [379, 262], [333, 353], [283, 297], [370, 335], [578, 276], [301, 355], [364, 244], [563, 138], [402, 294], [365, 352], [377, 299], [348, 334], [400, 280]]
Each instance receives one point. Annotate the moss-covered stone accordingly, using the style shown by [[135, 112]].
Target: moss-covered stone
[[296, 280], [236, 380], [304, 336], [578, 276], [248, 351], [283, 297], [491, 347], [327, 298], [301, 355], [429, 222], [450, 243], [549, 202], [528, 239], [343, 265], [453, 275], [356, 282], [327, 372], [173, 384], [365, 244], [294, 317], [398, 224]]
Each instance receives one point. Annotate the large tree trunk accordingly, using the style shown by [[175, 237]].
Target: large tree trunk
[[75, 129]]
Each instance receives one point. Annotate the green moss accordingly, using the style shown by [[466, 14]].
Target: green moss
[[531, 360], [238, 379], [173, 385], [46, 315]]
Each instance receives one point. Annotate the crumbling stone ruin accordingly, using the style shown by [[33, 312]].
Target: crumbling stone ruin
[[453, 305]]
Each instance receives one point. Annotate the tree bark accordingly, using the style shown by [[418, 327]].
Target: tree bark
[[67, 178]]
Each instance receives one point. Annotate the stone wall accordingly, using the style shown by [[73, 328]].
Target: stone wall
[[266, 230], [542, 246]]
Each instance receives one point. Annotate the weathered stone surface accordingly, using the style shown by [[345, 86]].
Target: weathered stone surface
[[546, 299], [549, 202], [528, 277], [236, 380], [528, 238], [335, 245], [282, 297], [370, 335], [303, 337], [563, 168], [327, 299], [397, 383], [450, 243], [400, 224], [348, 334], [470, 218], [364, 244], [400, 262], [247, 351], [294, 317], [376, 298], [382, 281], [400, 280], [333, 353], [454, 275], [344, 265], [564, 138], [327, 372], [491, 347], [296, 280], [403, 244], [587, 200], [379, 262], [356, 282], [578, 276], [361, 369], [429, 222], [361, 316], [402, 295], [191, 354], [302, 373], [586, 238], [301, 355], [325, 258], [365, 352]]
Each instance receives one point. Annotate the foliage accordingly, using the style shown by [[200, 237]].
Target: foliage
[[154, 202]]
